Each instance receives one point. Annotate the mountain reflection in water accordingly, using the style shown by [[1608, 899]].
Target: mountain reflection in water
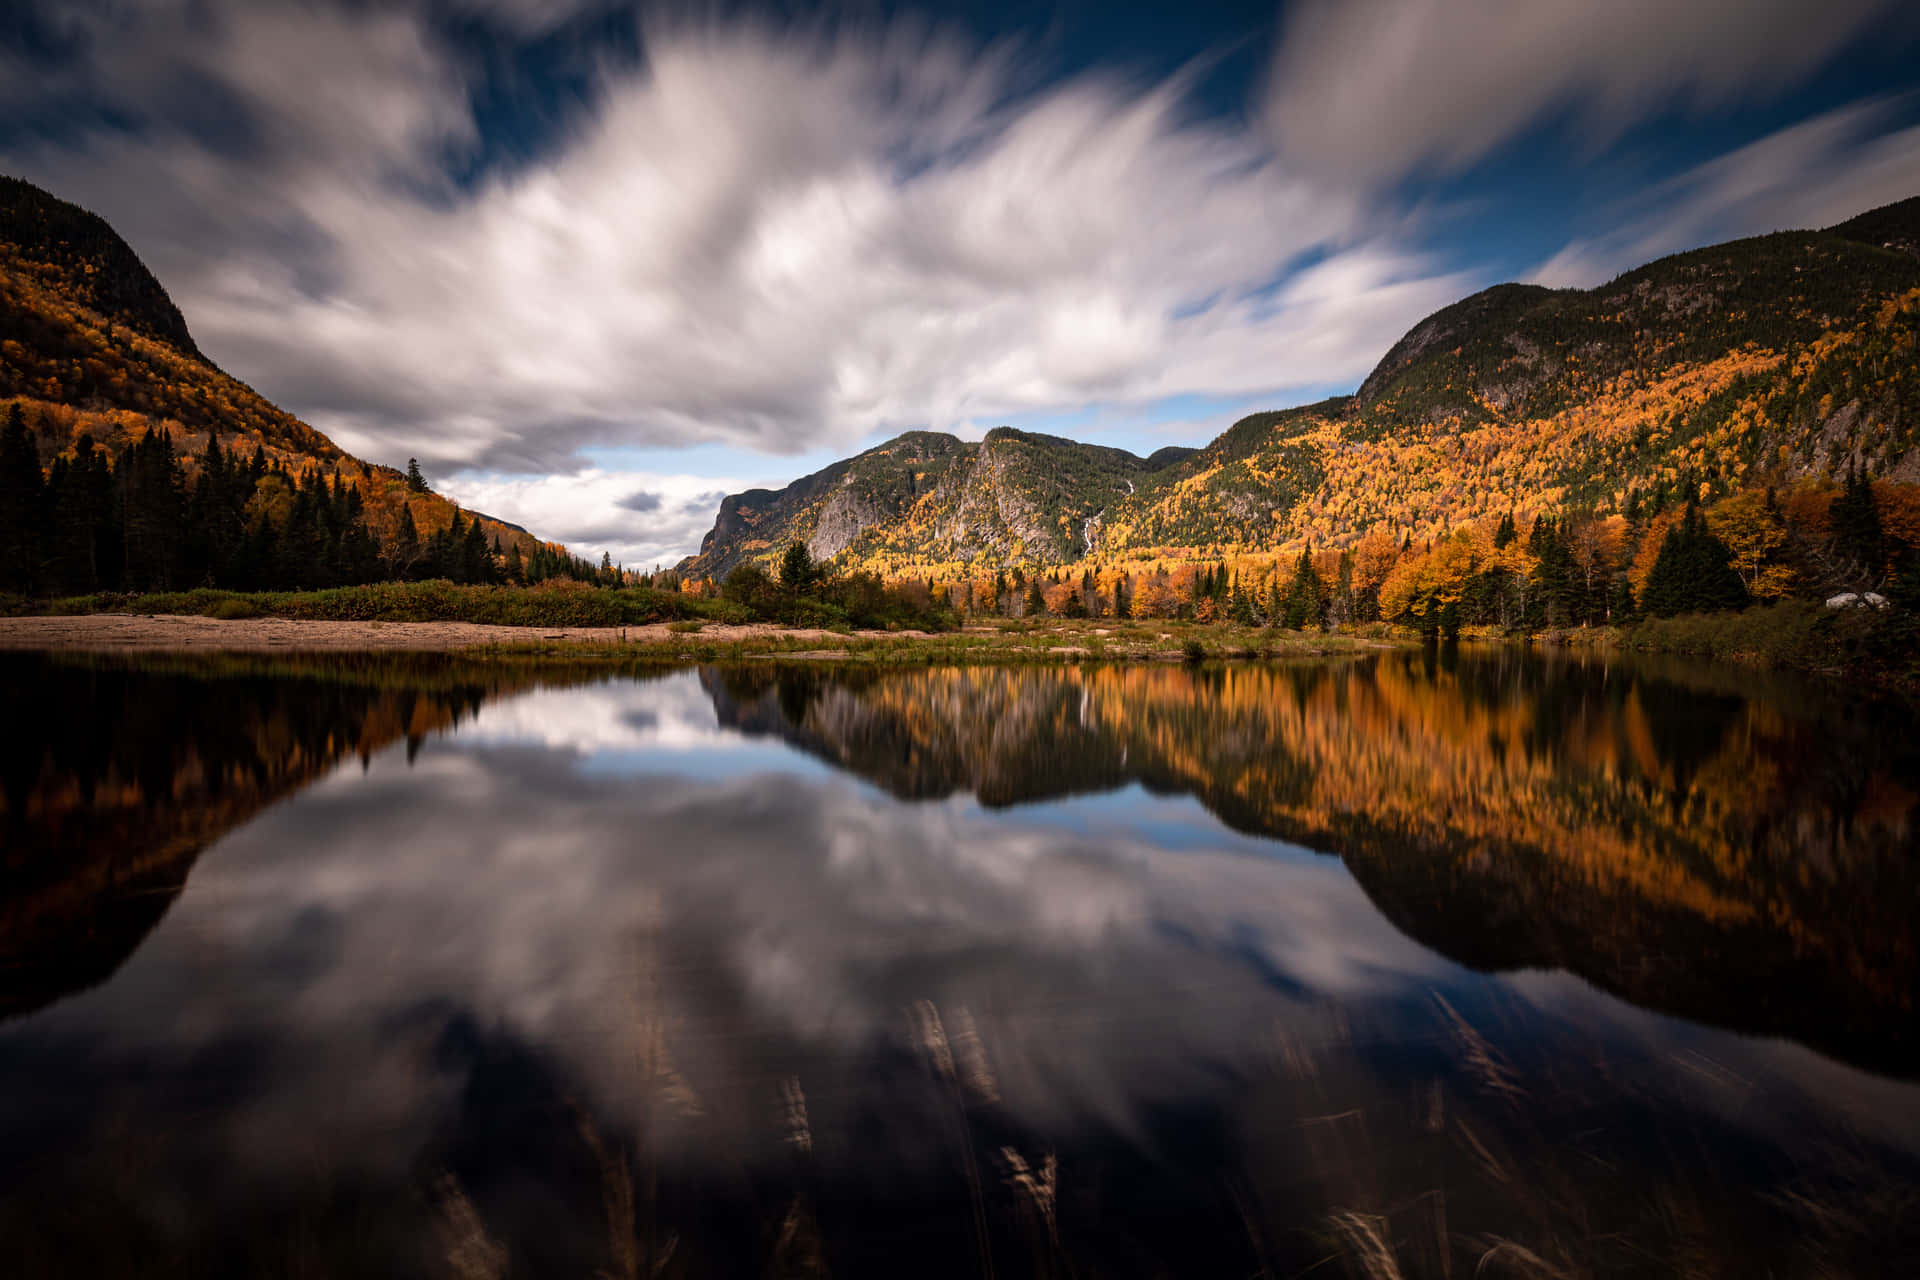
[[1427, 964]]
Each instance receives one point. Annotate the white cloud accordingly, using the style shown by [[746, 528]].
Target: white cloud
[[1813, 174], [761, 239], [1370, 89], [640, 518]]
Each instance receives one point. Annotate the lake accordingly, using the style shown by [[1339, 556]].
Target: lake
[[1476, 963]]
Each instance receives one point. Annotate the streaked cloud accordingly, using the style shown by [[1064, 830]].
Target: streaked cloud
[[1813, 174], [762, 238], [1370, 90]]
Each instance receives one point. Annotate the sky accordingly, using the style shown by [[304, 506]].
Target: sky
[[596, 264]]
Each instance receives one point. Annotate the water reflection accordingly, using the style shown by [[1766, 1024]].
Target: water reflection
[[662, 977]]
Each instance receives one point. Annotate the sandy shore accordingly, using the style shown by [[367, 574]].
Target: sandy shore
[[132, 633]]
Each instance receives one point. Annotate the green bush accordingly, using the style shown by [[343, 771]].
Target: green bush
[[232, 610]]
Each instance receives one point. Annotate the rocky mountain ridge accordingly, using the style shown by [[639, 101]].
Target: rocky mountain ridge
[[1765, 361], [1012, 496]]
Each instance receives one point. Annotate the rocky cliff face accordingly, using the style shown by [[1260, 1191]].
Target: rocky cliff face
[[1012, 498]]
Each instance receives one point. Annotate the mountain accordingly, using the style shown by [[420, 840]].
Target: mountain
[[1014, 496], [1767, 360], [90, 343]]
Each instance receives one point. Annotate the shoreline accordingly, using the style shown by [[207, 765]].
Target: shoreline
[[193, 633], [1066, 642]]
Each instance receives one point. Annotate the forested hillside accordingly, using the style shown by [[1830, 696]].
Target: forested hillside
[[1766, 361], [1733, 424], [128, 461]]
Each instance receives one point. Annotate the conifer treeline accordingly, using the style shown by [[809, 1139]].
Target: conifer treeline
[[133, 522]]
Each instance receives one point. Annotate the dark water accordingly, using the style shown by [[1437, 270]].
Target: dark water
[[1434, 964]]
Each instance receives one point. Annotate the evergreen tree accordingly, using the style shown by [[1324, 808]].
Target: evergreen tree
[[416, 482], [300, 554], [1557, 596], [22, 499], [1506, 535], [1621, 607], [797, 572], [406, 546], [1305, 596], [153, 507], [359, 551], [1858, 540], [1694, 572], [476, 564]]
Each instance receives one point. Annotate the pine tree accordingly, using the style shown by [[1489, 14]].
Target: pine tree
[[22, 499], [416, 482], [476, 564], [1621, 607], [1304, 597], [796, 567], [1557, 596], [406, 546], [1858, 540], [1506, 535], [1694, 572], [152, 495]]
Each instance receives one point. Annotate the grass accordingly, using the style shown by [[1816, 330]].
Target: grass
[[693, 627], [564, 604], [1793, 635], [1798, 635], [1034, 643]]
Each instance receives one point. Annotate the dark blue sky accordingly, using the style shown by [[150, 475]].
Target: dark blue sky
[[595, 263]]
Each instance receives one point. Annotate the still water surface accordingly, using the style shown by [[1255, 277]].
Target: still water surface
[[1429, 964]]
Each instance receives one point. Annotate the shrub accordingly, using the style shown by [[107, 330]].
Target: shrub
[[232, 609], [1791, 633]]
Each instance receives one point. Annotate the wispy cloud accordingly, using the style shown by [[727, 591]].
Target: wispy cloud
[[1370, 90], [1812, 174]]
